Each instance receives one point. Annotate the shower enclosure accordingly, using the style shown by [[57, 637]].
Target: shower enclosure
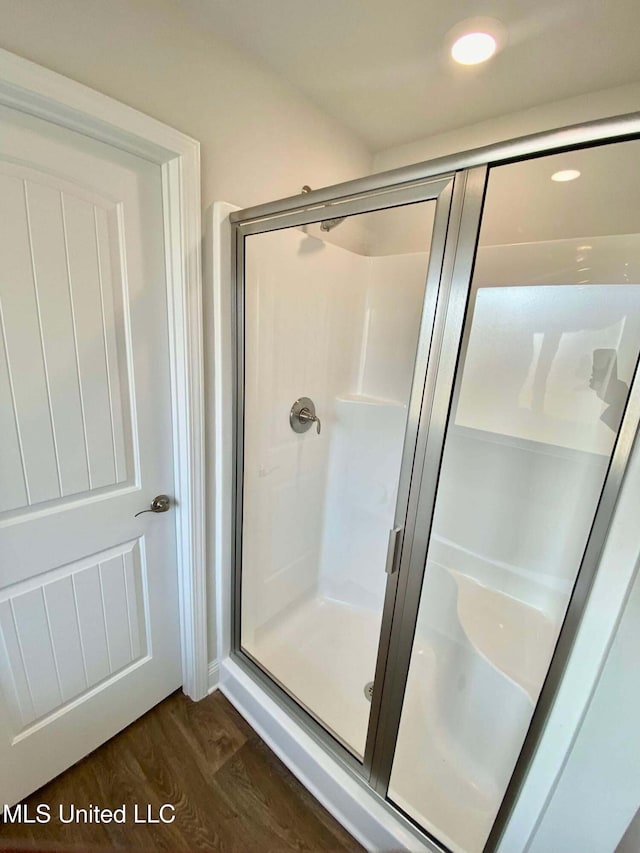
[[436, 398]]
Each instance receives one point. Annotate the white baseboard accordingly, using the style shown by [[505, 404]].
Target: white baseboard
[[359, 811], [213, 676]]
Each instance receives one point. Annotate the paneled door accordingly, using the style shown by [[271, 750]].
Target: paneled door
[[89, 625]]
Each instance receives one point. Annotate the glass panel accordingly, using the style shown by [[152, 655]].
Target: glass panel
[[333, 317], [552, 339]]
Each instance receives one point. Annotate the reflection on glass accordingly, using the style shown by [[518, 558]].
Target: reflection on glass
[[610, 389], [557, 358], [551, 346], [336, 322]]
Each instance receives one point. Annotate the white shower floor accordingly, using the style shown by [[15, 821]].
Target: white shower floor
[[324, 653]]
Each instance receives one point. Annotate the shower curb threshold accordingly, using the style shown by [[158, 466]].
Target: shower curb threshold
[[361, 812]]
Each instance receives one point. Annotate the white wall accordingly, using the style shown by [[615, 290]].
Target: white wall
[[260, 139], [598, 791], [608, 102]]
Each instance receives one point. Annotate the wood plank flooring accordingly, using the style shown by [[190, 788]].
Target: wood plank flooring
[[230, 792]]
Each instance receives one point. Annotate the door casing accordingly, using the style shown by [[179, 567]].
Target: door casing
[[29, 88]]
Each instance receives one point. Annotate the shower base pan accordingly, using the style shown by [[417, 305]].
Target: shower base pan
[[323, 652]]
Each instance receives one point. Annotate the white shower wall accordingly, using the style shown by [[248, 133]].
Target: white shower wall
[[528, 447], [362, 479], [341, 327], [368, 434], [334, 325]]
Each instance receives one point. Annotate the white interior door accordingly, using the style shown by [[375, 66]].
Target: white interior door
[[89, 624]]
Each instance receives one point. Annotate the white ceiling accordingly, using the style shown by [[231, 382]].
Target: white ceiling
[[382, 67]]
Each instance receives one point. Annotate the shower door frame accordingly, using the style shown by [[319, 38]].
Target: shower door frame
[[449, 322], [448, 192]]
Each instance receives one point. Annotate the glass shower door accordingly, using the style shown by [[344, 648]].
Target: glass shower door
[[549, 353], [332, 316]]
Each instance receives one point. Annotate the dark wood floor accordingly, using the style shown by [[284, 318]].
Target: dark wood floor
[[230, 791]]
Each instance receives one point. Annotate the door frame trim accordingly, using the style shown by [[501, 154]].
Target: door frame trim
[[32, 89]]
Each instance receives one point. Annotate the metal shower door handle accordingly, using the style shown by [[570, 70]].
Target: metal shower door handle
[[393, 550], [160, 503]]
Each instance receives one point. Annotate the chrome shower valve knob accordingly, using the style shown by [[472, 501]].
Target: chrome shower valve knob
[[306, 417], [303, 415]]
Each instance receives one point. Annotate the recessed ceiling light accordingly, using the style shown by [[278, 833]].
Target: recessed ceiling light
[[473, 48], [565, 175]]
